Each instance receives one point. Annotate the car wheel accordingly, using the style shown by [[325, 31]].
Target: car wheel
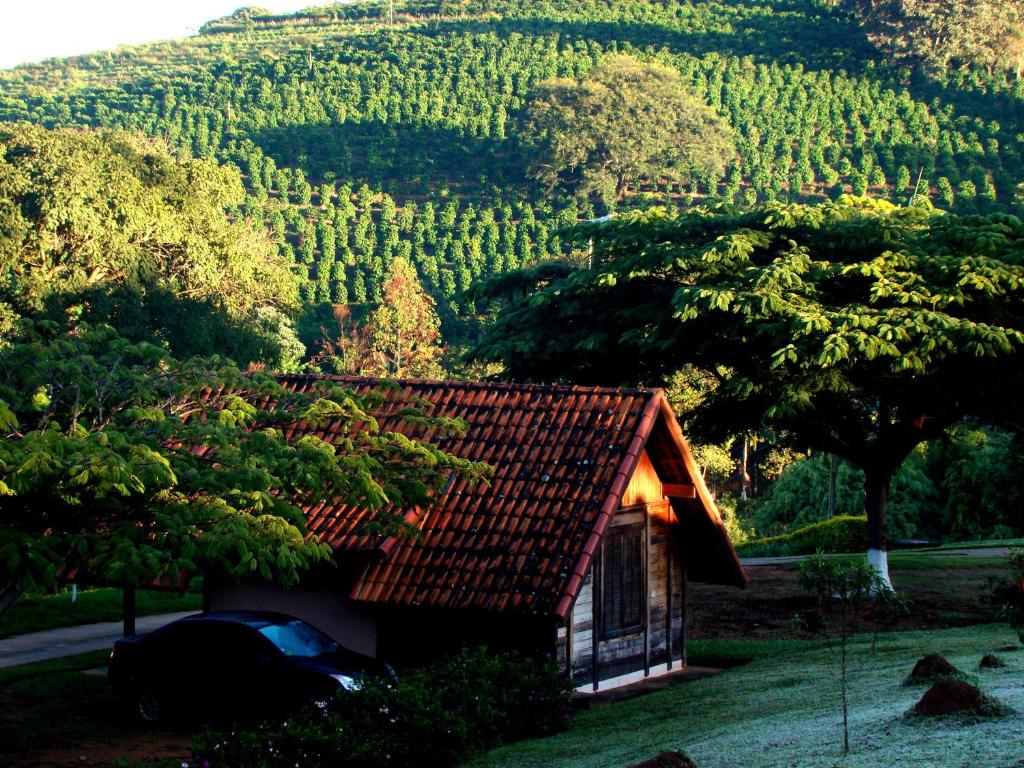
[[149, 706]]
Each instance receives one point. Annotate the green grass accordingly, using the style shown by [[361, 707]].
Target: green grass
[[733, 653], [30, 673], [782, 710], [33, 613]]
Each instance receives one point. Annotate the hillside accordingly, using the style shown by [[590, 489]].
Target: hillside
[[362, 137]]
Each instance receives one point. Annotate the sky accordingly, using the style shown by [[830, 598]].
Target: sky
[[33, 30]]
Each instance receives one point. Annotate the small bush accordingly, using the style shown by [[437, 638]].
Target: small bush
[[434, 717], [1010, 595], [847, 533]]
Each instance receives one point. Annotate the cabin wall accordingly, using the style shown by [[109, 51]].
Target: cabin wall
[[643, 504]]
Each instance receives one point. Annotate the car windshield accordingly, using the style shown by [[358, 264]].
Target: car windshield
[[296, 638]]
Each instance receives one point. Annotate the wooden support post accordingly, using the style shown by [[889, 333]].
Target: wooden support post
[[684, 606], [668, 597], [568, 642], [595, 625], [128, 610], [647, 591]]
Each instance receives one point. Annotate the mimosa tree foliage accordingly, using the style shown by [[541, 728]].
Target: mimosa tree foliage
[[124, 465], [856, 327]]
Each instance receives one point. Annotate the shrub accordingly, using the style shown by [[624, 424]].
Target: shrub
[[1009, 595], [846, 533], [435, 717]]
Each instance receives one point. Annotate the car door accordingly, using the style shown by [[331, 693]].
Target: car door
[[239, 668]]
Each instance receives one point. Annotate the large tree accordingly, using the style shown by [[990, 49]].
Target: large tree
[[855, 326], [399, 338], [629, 121], [941, 33], [124, 465], [139, 238]]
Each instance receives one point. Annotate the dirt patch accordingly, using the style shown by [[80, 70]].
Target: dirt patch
[[950, 697], [72, 719], [150, 748], [940, 597], [932, 667], [667, 760]]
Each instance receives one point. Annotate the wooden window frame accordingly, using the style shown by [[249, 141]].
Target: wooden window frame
[[607, 632]]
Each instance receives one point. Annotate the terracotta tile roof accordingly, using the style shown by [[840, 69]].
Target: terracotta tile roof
[[562, 458]]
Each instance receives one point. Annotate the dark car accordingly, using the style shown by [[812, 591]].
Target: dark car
[[233, 664]]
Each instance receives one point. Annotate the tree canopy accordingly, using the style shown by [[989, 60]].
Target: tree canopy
[[943, 33], [136, 237], [625, 122], [398, 338], [404, 329], [856, 326], [122, 464], [311, 107]]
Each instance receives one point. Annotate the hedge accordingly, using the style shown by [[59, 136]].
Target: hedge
[[846, 533]]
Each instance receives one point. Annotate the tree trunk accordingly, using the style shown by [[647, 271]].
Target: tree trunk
[[833, 467], [743, 472], [128, 610], [9, 595], [876, 499]]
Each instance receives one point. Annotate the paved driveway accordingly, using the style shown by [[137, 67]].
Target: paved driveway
[[71, 641]]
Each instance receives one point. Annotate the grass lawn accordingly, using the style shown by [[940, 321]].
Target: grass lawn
[[32, 613], [782, 710]]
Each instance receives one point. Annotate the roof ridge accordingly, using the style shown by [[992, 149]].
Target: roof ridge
[[472, 384]]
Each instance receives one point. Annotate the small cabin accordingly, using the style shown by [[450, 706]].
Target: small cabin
[[580, 548]]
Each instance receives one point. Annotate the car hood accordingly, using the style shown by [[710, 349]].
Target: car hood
[[340, 662]]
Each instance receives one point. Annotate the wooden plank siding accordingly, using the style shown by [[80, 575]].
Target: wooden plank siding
[[643, 504]]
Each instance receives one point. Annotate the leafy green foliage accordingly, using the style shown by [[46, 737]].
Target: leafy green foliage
[[800, 497], [122, 464], [978, 473], [433, 717], [854, 327], [130, 235], [943, 33], [425, 113], [399, 339]]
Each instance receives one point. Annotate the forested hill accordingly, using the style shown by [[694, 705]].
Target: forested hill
[[370, 130]]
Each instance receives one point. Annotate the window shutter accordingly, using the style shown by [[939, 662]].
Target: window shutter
[[622, 597]]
